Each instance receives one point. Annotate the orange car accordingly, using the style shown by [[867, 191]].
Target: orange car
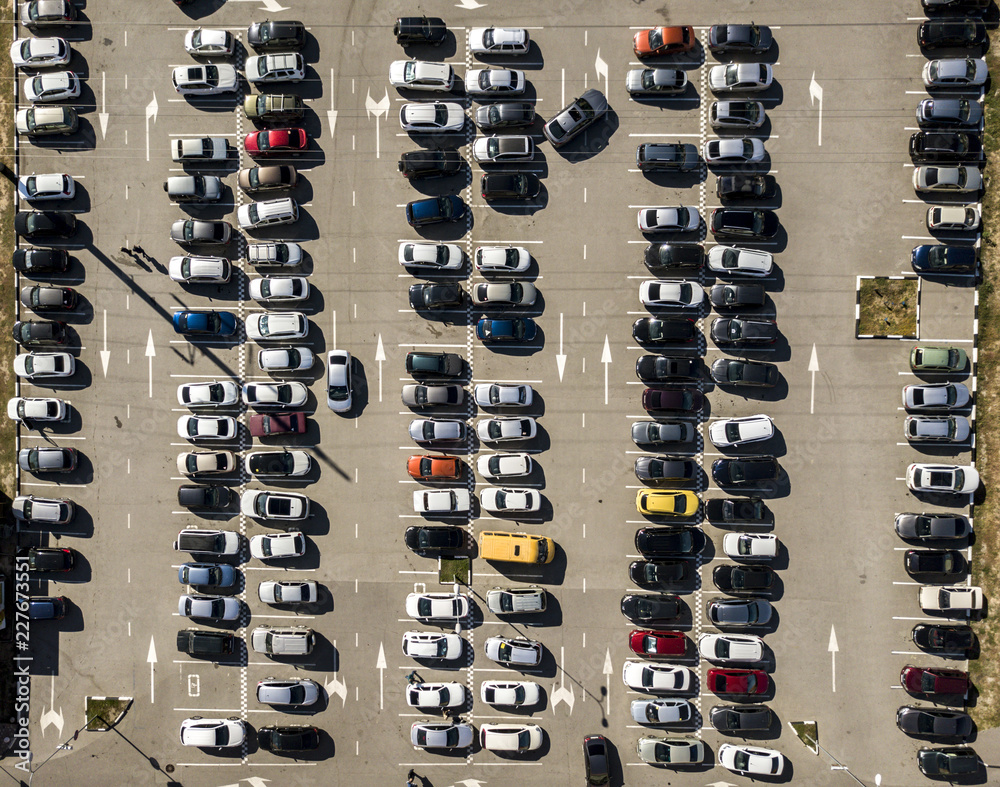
[[663, 41], [434, 468]]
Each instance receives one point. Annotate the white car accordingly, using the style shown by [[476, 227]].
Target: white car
[[206, 427], [670, 751], [432, 645], [285, 359], [670, 292], [283, 67], [54, 86], [510, 738], [275, 394], [32, 366], [278, 545], [441, 501], [282, 253], [265, 504], [199, 149], [740, 78], [504, 465], [284, 463], [213, 733], [441, 735], [435, 695], [437, 606], [936, 396], [499, 41], [205, 42], [750, 546], [730, 261], [504, 293], [208, 607], [274, 326], [503, 395], [40, 52], [510, 694], [207, 80], [728, 432], [513, 651], [199, 270], [195, 463], [504, 429], [432, 117], [297, 691], [510, 501], [955, 72], [655, 678], [37, 409], [502, 259], [751, 759], [500, 150], [950, 180], [669, 219], [957, 479], [731, 648], [440, 256], [433, 430], [661, 711], [279, 289], [57, 185], [961, 599], [953, 217], [218, 393], [288, 591], [338, 381], [736, 150], [945, 428], [421, 75], [655, 81], [494, 82]]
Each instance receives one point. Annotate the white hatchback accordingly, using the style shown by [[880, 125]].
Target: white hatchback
[[729, 260], [728, 432]]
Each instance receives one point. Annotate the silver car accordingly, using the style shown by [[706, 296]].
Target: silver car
[[440, 735], [668, 711], [656, 81], [338, 381], [736, 115], [500, 150], [944, 428], [936, 396], [209, 607], [429, 431], [514, 651], [295, 691], [575, 117], [671, 751], [288, 591], [740, 78], [435, 695]]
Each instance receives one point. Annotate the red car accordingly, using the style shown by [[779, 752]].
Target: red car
[[268, 424], [738, 681], [663, 41], [276, 142], [921, 680], [434, 468], [657, 644]]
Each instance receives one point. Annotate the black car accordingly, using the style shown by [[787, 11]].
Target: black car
[[933, 722], [671, 257], [514, 185], [657, 542], [37, 333], [736, 296], [663, 468], [288, 738], [435, 296], [46, 608], [44, 224], [443, 538], [950, 146], [955, 641], [198, 642], [746, 187], [745, 470], [595, 760], [667, 157], [657, 368], [510, 114], [650, 575], [420, 30], [951, 6], [740, 718], [419, 164], [935, 565], [422, 364], [742, 579], [32, 261], [759, 374], [744, 223], [210, 496], [654, 433], [687, 399], [738, 612], [268, 35], [739, 38], [654, 330], [945, 260], [434, 210], [737, 511], [946, 33], [651, 610], [949, 762], [47, 558], [932, 527], [726, 330]]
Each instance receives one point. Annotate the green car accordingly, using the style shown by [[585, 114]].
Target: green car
[[937, 359]]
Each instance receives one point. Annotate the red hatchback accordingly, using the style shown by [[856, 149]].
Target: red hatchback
[[658, 644], [743, 682], [276, 142], [921, 680], [434, 468], [663, 41], [268, 424]]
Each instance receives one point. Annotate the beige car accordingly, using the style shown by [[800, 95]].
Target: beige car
[[269, 178]]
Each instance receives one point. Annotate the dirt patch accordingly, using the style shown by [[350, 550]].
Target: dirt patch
[[454, 570], [888, 307], [8, 283]]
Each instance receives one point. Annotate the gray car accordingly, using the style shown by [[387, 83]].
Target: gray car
[[430, 431], [510, 114], [659, 432], [949, 112], [47, 460], [738, 612], [295, 691], [514, 651], [576, 117], [207, 575], [932, 527], [432, 395], [945, 428], [200, 232], [664, 468]]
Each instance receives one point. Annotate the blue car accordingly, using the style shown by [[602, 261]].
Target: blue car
[[218, 575], [209, 323], [514, 329], [434, 210]]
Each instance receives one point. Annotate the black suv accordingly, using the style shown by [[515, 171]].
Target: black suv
[[419, 30], [435, 296], [267, 35], [670, 257], [429, 163], [742, 223], [746, 470], [928, 146], [517, 185], [214, 497], [196, 642], [288, 738], [34, 333], [670, 156], [421, 364], [40, 260], [745, 187], [942, 34]]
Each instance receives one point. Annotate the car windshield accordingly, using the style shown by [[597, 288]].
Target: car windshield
[[953, 358], [758, 222], [730, 258], [925, 723], [655, 38], [959, 479], [732, 432], [649, 78], [747, 148], [741, 761]]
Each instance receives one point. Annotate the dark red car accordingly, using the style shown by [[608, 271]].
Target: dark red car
[[276, 142], [267, 424], [921, 680], [744, 682], [685, 399], [657, 644]]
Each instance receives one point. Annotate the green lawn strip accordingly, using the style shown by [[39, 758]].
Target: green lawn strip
[[888, 307]]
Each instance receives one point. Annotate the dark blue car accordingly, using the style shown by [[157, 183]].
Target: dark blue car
[[208, 323], [434, 210], [514, 329], [931, 258]]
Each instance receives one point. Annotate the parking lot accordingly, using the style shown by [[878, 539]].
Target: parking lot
[[844, 605]]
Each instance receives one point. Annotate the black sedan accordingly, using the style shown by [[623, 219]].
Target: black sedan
[[739, 38], [759, 374], [288, 738], [929, 147], [756, 224], [736, 580], [274, 34], [651, 610], [685, 399], [654, 433], [932, 527], [32, 261], [946, 260], [740, 718], [509, 185], [212, 496], [664, 468], [935, 565], [48, 558], [656, 575], [933, 722], [671, 257], [946, 33], [951, 6], [735, 330], [737, 511], [653, 330], [655, 542], [736, 187], [738, 612], [745, 470], [513, 114], [38, 333], [955, 641], [659, 368], [200, 232], [33, 224], [736, 296], [949, 762], [435, 296], [441, 538]]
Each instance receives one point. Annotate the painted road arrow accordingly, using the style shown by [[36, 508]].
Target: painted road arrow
[[608, 671], [601, 68], [606, 360], [813, 368], [337, 687], [562, 694], [560, 356], [267, 5], [380, 665], [103, 114], [379, 359], [105, 355], [151, 109], [816, 94], [151, 354], [52, 716], [833, 647], [331, 113], [470, 5], [151, 658], [378, 109]]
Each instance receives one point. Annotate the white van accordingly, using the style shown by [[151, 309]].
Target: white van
[[268, 212]]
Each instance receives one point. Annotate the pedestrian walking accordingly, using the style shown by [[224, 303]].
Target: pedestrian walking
[[411, 778], [413, 678], [124, 250], [139, 250]]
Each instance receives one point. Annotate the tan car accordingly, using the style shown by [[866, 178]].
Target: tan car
[[270, 178], [274, 107]]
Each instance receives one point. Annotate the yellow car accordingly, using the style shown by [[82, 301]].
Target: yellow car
[[673, 503]]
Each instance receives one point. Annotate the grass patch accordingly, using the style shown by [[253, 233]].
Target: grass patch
[[454, 570], [807, 732], [888, 307], [103, 713], [8, 281]]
